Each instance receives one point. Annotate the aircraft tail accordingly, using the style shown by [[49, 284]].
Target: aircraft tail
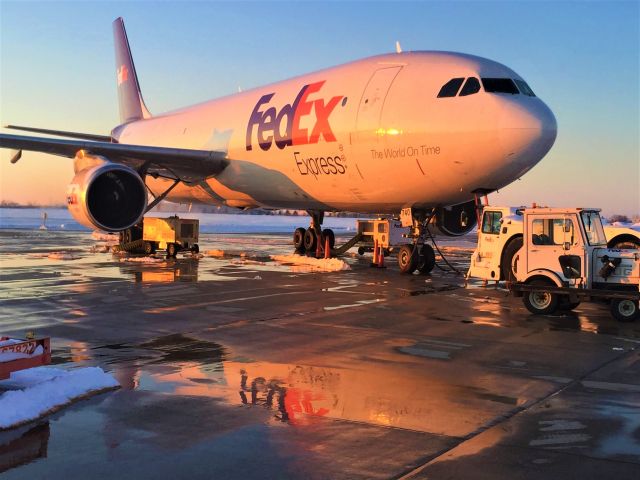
[[132, 105]]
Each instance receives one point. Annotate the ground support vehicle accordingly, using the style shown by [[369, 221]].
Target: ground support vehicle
[[500, 237], [564, 259], [396, 236], [172, 234], [20, 354]]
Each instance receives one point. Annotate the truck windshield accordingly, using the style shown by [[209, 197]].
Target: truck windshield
[[593, 227]]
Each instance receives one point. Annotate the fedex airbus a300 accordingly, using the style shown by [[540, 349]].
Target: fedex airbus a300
[[419, 130]]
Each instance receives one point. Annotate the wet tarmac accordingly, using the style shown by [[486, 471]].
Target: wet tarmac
[[235, 366]]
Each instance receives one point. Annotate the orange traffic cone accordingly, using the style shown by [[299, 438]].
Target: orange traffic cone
[[374, 262], [381, 257], [327, 249]]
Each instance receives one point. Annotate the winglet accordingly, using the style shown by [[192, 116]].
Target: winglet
[[132, 105]]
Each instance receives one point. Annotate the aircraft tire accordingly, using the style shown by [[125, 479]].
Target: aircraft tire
[[298, 239], [310, 240], [327, 232], [407, 259], [427, 260], [625, 310], [172, 250]]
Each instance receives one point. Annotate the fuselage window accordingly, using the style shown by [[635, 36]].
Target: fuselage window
[[499, 85], [450, 89], [524, 88], [471, 86]]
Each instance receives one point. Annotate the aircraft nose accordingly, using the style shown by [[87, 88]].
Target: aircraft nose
[[527, 131]]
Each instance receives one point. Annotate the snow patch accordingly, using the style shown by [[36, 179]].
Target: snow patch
[[105, 237], [142, 259], [62, 256], [313, 264], [39, 391]]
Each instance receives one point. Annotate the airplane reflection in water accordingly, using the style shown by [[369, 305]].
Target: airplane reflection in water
[[368, 393]]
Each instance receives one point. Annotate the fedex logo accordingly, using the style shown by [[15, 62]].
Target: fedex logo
[[284, 126]]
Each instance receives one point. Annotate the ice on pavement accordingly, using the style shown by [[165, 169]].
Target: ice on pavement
[[35, 392], [314, 264]]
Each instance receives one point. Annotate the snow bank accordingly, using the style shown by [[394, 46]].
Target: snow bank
[[314, 264], [40, 391]]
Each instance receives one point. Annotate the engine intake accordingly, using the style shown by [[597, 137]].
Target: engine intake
[[108, 196], [457, 220]]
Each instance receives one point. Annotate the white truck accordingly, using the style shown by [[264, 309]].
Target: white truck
[[500, 237], [556, 257]]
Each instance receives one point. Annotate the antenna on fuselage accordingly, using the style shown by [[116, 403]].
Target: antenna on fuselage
[[398, 47]]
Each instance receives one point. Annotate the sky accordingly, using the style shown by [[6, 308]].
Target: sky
[[581, 57]]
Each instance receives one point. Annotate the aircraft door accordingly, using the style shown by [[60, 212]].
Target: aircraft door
[[372, 101]]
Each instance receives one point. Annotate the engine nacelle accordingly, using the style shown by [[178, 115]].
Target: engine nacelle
[[457, 220], [107, 196]]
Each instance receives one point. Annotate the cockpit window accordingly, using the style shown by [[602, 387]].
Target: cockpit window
[[450, 89], [471, 86], [499, 85], [524, 88]]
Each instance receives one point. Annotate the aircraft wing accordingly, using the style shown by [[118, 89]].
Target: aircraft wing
[[190, 166]]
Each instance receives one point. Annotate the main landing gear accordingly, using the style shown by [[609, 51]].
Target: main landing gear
[[417, 255], [313, 240]]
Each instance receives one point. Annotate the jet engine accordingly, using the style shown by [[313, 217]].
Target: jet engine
[[457, 220], [107, 196]]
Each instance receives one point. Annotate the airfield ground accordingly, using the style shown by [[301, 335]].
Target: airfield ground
[[241, 367]]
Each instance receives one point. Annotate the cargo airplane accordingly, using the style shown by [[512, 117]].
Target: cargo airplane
[[425, 131]]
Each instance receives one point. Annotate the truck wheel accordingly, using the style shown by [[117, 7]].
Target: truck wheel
[[427, 259], [327, 232], [507, 258], [298, 239], [172, 250], [361, 251], [407, 259], [624, 310], [540, 303], [195, 248], [310, 240]]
